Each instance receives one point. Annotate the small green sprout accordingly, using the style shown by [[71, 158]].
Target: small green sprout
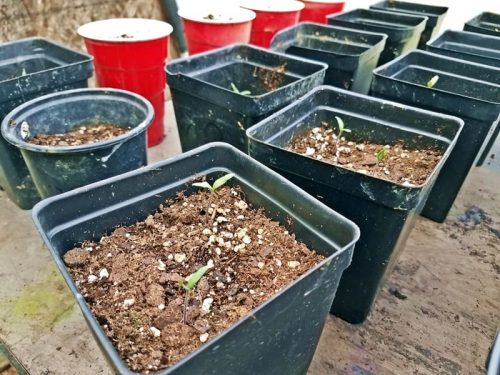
[[193, 279], [190, 283], [381, 154], [432, 82], [235, 89], [342, 127], [217, 183]]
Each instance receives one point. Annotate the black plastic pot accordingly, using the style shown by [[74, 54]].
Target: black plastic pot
[[30, 68], [278, 337], [403, 30], [485, 23], [208, 110], [56, 169], [435, 15], [351, 55], [463, 45], [383, 210], [464, 89]]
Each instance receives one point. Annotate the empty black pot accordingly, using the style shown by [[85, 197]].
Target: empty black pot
[[463, 89], [217, 95], [484, 23], [435, 15], [403, 30], [383, 210], [30, 68], [56, 169], [279, 336], [351, 55]]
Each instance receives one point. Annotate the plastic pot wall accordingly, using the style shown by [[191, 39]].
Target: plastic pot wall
[[383, 210], [435, 16], [30, 68], [56, 169], [403, 30], [466, 90], [485, 23], [277, 337], [351, 55], [208, 110]]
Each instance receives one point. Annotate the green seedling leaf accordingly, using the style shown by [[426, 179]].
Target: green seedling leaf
[[221, 181], [234, 88], [342, 127], [381, 154], [193, 279], [246, 93], [203, 184], [432, 81]]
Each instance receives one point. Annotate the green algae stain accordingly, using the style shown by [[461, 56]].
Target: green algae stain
[[43, 304]]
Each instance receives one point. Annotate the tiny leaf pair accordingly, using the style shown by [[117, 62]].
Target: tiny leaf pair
[[342, 127], [193, 279], [217, 183], [244, 92]]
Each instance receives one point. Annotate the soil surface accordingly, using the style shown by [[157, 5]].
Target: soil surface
[[79, 136], [271, 79], [394, 162], [132, 278]]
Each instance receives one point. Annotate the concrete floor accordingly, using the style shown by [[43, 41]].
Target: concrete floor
[[445, 325]]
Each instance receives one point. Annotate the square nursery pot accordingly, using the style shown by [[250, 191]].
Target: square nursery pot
[[463, 45], [29, 68], [464, 89], [56, 169], [403, 30], [351, 55], [383, 210], [279, 336], [207, 109], [435, 15], [485, 23]]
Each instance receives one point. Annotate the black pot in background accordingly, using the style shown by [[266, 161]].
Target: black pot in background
[[403, 30], [56, 169], [464, 89], [383, 210], [485, 23], [279, 336], [208, 110], [435, 15], [30, 68], [463, 45], [351, 55]]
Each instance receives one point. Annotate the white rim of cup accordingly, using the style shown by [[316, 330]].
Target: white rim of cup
[[275, 6], [323, 1], [221, 15], [125, 30]]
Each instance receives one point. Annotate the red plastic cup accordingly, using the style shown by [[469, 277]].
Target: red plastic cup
[[208, 28], [317, 10], [130, 54], [271, 17]]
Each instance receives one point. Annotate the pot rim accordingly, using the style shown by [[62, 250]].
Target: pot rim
[[226, 16], [31, 106], [283, 6]]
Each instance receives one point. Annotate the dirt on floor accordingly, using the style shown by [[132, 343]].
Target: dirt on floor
[[395, 162], [79, 136], [136, 279]]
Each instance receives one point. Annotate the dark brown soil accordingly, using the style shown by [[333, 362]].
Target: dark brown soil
[[271, 79], [79, 136], [132, 277], [398, 164]]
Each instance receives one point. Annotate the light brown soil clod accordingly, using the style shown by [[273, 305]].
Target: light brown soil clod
[[79, 136]]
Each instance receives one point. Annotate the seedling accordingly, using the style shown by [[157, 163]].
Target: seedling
[[432, 81], [342, 127], [235, 89], [217, 183], [381, 154], [190, 283]]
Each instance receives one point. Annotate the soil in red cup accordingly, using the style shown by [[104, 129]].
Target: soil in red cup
[[130, 54], [317, 10], [271, 17], [208, 28]]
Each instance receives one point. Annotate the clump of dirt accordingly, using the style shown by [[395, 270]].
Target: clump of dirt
[[272, 79], [473, 218], [132, 278], [81, 135], [395, 163]]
